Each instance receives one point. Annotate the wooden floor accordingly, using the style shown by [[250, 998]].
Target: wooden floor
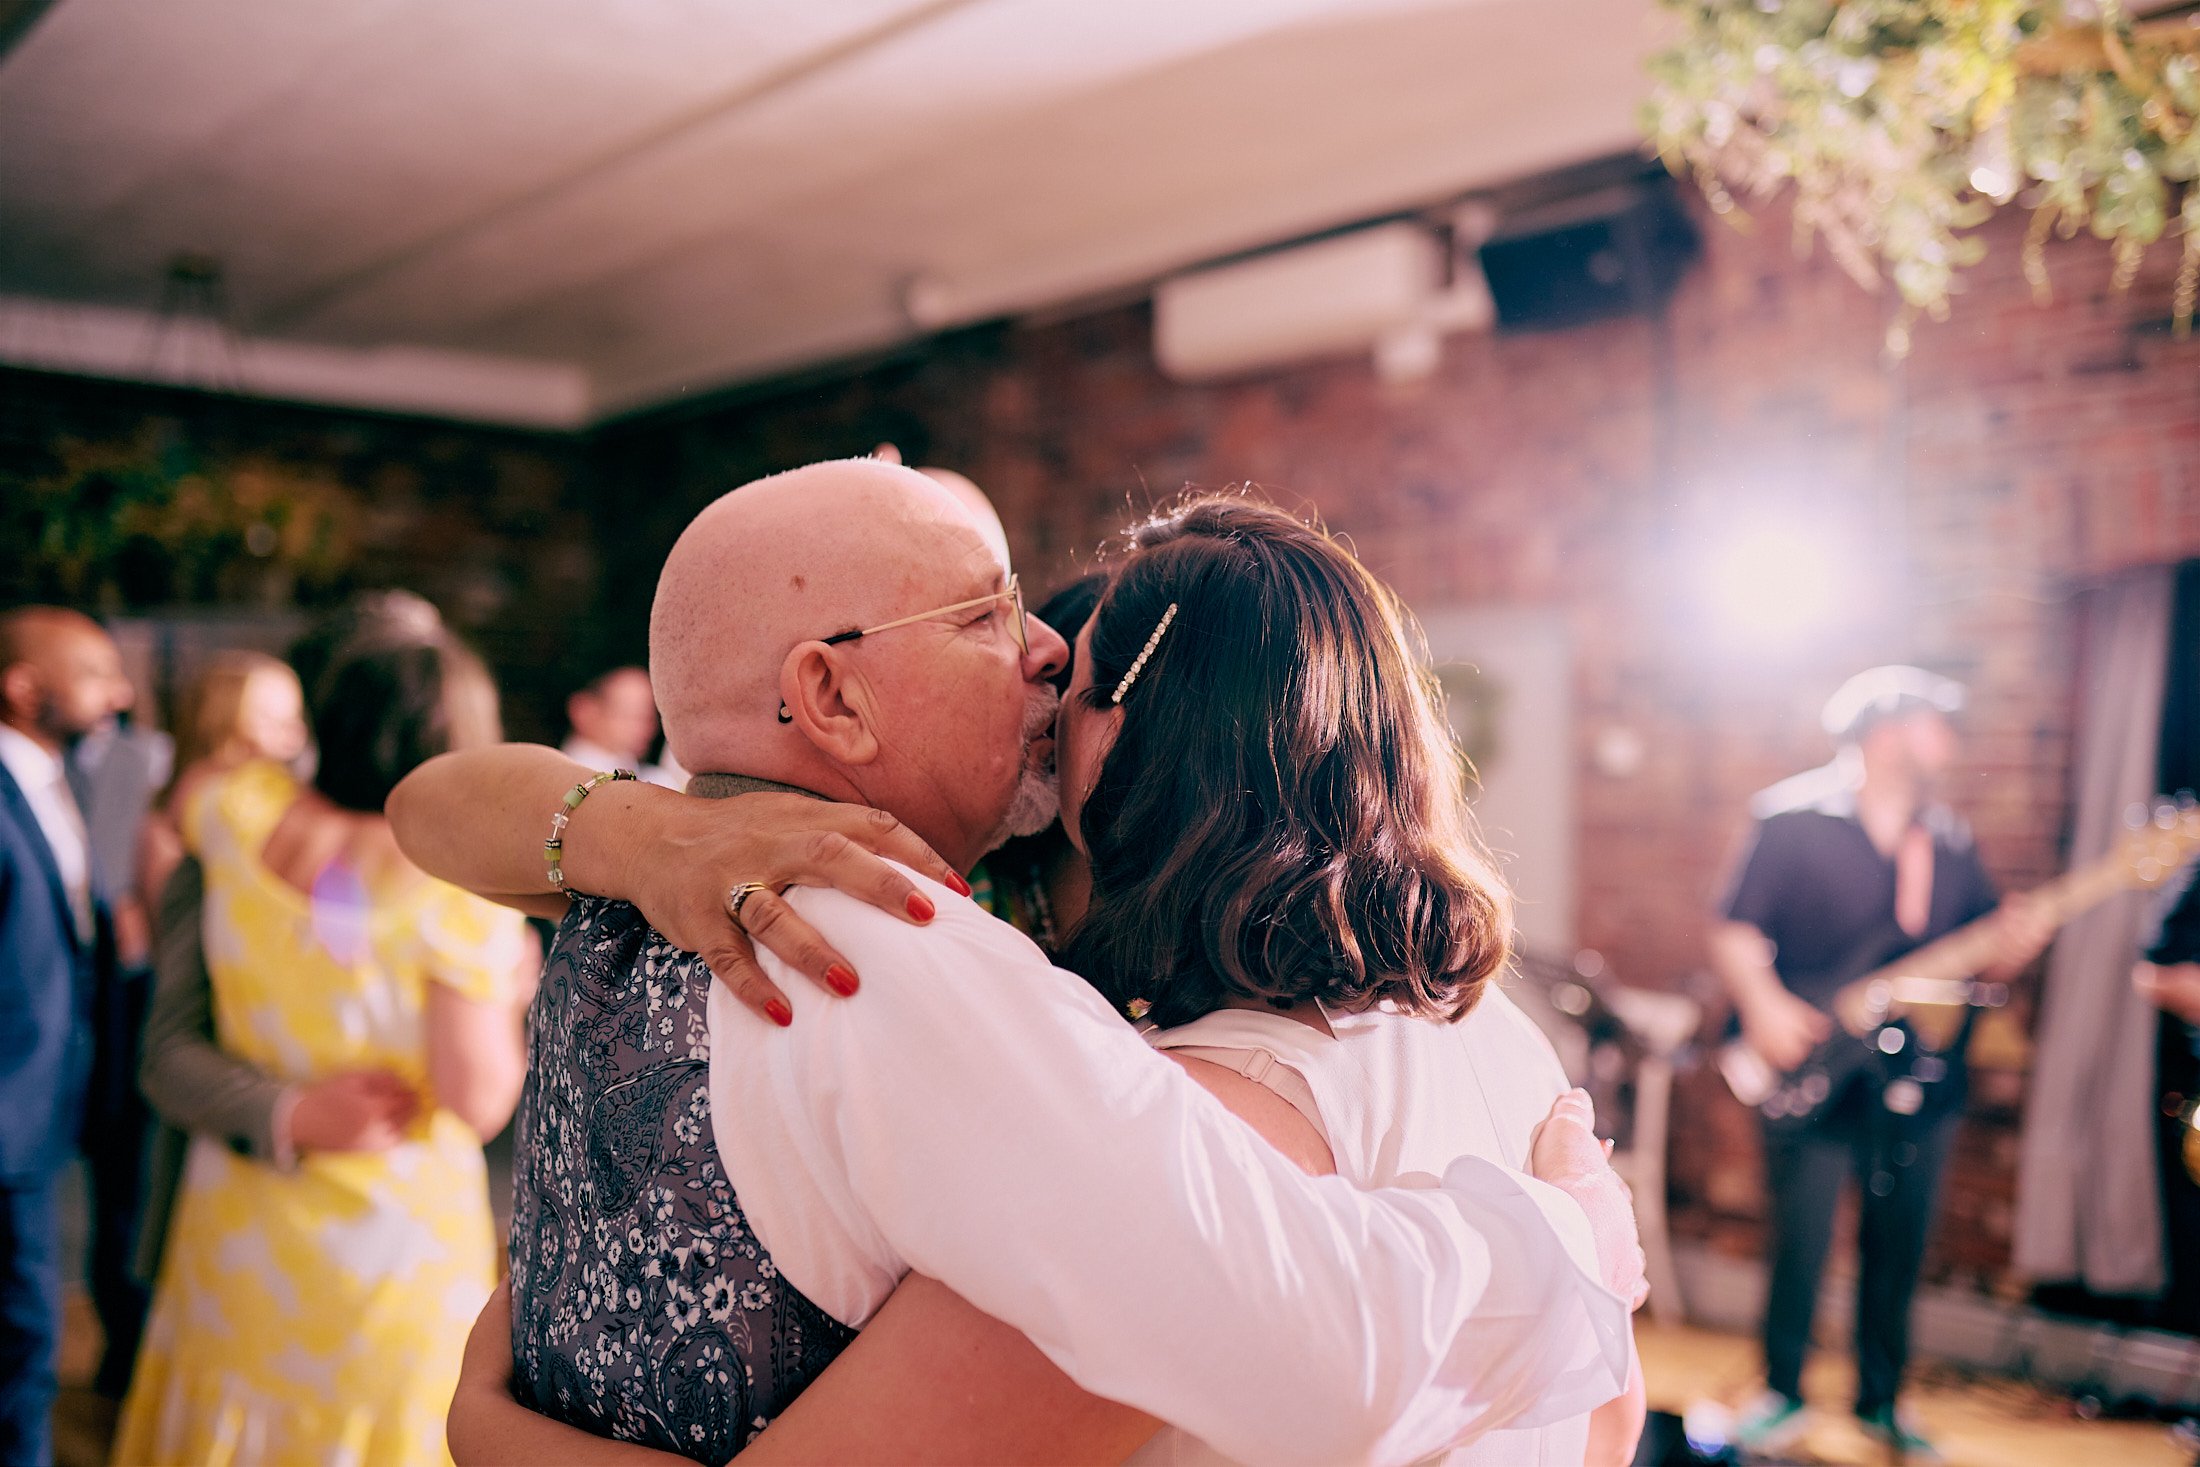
[[1991, 1423], [1977, 1422]]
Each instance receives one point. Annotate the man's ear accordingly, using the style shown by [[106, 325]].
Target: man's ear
[[19, 687], [830, 704]]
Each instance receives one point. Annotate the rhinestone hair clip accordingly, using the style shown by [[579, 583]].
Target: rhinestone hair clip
[[1139, 666]]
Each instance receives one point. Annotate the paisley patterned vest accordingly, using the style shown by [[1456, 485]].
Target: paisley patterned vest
[[643, 1307]]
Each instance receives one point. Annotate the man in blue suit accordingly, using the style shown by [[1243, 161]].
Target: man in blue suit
[[60, 677]]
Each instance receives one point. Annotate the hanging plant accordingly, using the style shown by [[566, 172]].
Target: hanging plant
[[148, 521], [1905, 124]]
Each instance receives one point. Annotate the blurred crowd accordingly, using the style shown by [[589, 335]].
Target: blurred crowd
[[234, 875]]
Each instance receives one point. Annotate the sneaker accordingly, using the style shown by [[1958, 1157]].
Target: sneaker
[[1892, 1430], [1769, 1424]]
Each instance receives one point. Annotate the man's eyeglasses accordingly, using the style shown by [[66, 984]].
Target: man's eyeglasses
[[1013, 591]]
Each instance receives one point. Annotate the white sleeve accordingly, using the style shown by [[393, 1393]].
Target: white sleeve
[[980, 1116]]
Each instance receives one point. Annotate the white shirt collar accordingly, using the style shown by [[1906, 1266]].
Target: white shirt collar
[[594, 755], [34, 766], [44, 782]]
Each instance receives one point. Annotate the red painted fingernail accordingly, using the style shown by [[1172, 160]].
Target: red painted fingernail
[[841, 979], [962, 887], [919, 907], [777, 1011]]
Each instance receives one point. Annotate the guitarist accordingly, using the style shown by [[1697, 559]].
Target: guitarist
[[1848, 868]]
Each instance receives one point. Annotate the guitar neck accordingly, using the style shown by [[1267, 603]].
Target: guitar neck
[[1969, 949]]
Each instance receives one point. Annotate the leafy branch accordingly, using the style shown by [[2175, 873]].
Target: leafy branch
[[1905, 124]]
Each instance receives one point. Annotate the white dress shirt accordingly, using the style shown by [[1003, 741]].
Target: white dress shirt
[[981, 1116], [1398, 1099], [44, 780], [596, 756]]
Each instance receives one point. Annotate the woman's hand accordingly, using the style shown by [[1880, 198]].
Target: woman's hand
[[358, 1110], [684, 870], [1565, 1152]]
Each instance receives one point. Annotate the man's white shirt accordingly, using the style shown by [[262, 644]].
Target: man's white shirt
[[978, 1115], [44, 780]]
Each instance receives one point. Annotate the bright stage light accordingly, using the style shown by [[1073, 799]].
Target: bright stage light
[[1771, 583]]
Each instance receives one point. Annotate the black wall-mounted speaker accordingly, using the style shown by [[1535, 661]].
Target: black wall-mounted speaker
[[1617, 252]]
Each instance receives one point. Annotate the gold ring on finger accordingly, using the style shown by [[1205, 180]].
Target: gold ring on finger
[[738, 898]]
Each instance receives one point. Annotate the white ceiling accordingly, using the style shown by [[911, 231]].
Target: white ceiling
[[615, 202]]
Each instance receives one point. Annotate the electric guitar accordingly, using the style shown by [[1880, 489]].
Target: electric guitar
[[1896, 1023]]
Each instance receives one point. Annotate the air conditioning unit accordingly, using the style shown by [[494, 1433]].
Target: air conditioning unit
[[1393, 289]]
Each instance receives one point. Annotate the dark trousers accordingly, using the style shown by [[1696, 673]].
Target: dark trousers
[[1897, 1162], [117, 1129], [30, 1319]]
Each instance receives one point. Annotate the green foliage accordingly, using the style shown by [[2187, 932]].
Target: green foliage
[[148, 522], [1904, 124]]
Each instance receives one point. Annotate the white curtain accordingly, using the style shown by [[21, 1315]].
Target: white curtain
[[2087, 1206]]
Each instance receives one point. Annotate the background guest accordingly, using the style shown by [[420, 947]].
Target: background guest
[[614, 726], [245, 706], [120, 769], [60, 677], [320, 1310], [195, 1086]]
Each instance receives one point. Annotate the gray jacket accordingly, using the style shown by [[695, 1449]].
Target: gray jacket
[[194, 1086]]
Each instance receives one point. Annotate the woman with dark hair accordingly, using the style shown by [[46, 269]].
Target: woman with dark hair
[[311, 1309], [1286, 880], [1284, 873], [1247, 706]]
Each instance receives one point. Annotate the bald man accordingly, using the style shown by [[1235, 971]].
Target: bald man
[[944, 717], [60, 677], [706, 1210]]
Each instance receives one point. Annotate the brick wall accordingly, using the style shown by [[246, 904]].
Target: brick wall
[[2019, 454]]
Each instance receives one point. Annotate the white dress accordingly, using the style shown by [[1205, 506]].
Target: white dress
[[1398, 1099]]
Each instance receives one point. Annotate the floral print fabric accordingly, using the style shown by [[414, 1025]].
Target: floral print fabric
[[643, 1306]]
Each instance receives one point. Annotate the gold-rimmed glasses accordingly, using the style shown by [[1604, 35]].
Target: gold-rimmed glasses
[[1013, 591]]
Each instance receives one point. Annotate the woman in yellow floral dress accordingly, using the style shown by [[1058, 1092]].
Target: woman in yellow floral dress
[[315, 1313]]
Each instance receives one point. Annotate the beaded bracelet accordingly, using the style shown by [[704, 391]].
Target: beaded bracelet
[[553, 849]]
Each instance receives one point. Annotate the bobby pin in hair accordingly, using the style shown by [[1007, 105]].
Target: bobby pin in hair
[[1139, 666]]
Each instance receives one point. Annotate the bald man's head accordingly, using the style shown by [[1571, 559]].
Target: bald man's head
[[972, 498], [925, 720], [60, 675]]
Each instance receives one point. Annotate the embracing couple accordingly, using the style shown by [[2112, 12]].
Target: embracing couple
[[1293, 1216]]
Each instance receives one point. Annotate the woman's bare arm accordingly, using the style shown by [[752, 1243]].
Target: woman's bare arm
[[1615, 1428], [486, 1427], [933, 1380], [478, 818], [477, 1057]]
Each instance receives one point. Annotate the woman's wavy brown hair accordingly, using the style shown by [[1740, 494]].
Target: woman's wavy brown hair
[[1283, 815]]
